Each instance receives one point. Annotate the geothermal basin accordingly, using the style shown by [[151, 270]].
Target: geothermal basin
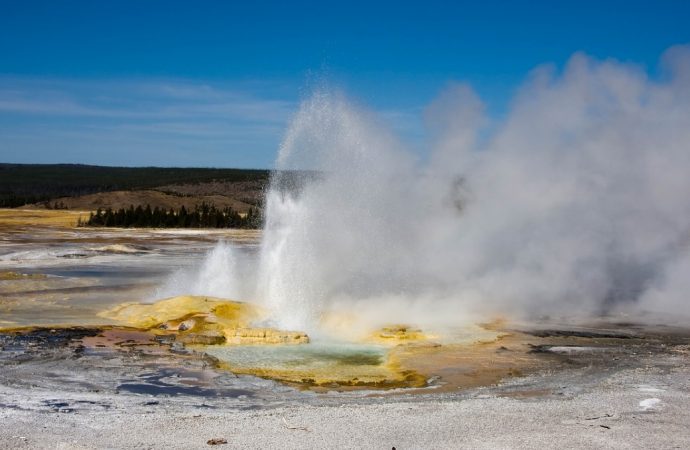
[[136, 328], [177, 293]]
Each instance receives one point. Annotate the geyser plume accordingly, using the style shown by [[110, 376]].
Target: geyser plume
[[220, 274], [577, 202]]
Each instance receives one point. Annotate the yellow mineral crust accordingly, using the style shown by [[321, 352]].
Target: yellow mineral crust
[[335, 373], [398, 334], [338, 375], [171, 312], [204, 321], [244, 336], [12, 276]]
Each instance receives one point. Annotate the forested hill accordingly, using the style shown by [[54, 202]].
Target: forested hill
[[22, 184]]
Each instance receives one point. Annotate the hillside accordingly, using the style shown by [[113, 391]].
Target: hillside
[[153, 198], [83, 187], [75, 185]]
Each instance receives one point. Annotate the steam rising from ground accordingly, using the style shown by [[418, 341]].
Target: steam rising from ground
[[577, 203], [219, 275]]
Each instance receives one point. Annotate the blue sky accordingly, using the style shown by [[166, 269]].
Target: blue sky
[[214, 83]]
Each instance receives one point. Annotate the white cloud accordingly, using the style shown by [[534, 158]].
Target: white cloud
[[135, 119]]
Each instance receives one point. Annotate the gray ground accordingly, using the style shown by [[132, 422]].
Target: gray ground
[[50, 400], [621, 391]]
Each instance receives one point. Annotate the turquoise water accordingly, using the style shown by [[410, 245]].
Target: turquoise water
[[312, 356]]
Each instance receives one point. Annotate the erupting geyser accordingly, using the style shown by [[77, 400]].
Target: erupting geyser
[[576, 202]]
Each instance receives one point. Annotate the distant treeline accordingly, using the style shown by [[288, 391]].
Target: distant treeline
[[203, 216], [14, 199], [22, 184]]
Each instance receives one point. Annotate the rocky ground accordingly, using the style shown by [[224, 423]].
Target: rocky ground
[[86, 388], [118, 383]]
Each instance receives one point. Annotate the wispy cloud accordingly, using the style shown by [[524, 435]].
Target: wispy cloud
[[134, 122], [157, 121]]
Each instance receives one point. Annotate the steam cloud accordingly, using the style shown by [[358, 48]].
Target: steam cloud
[[579, 201], [576, 204]]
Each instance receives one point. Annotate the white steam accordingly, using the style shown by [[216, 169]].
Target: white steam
[[579, 201], [219, 275]]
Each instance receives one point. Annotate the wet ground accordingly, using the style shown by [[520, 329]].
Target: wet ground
[[61, 357], [122, 388], [69, 275], [56, 281], [116, 360]]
